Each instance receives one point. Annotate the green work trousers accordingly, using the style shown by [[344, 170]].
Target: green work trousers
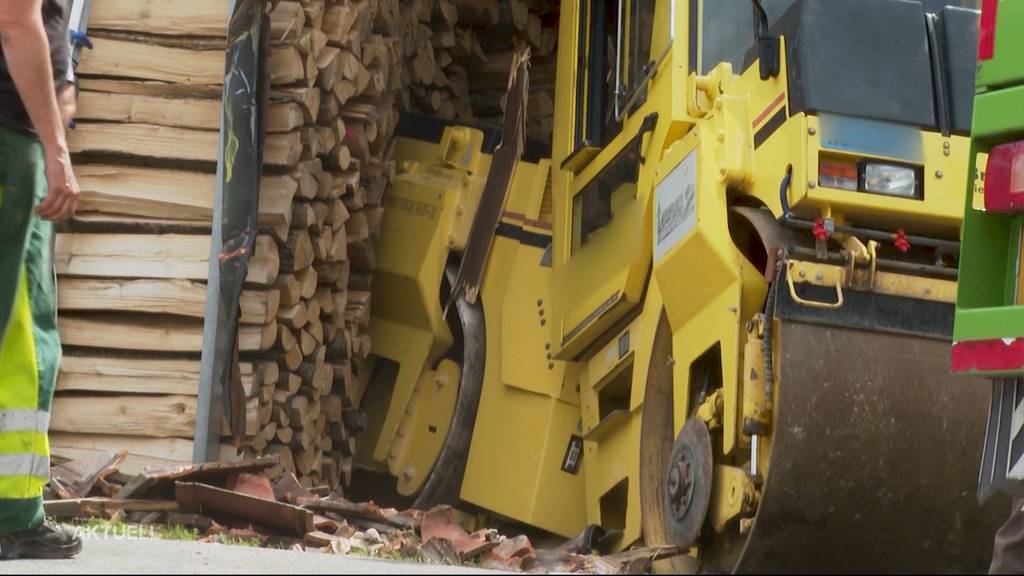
[[29, 341]]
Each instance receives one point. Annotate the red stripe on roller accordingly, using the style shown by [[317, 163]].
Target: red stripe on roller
[[771, 108], [526, 221]]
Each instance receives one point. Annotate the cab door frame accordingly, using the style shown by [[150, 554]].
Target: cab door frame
[[591, 298]]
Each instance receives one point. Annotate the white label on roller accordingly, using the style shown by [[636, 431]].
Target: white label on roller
[[675, 206]]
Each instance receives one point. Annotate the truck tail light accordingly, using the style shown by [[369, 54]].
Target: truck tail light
[[987, 33], [1004, 178]]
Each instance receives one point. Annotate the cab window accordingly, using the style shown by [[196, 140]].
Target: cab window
[[595, 205], [595, 85], [644, 39], [641, 37], [727, 30], [605, 74]]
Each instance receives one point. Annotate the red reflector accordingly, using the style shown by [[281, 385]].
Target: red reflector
[[1004, 178], [988, 356], [987, 32]]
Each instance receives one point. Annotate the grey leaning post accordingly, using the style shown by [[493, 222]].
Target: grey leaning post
[[239, 158]]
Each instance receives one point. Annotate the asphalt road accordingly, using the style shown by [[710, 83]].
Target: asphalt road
[[146, 556]]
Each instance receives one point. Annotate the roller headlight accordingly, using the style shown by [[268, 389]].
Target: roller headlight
[[891, 180]]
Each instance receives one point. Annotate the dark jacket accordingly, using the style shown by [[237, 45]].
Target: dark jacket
[[55, 19]]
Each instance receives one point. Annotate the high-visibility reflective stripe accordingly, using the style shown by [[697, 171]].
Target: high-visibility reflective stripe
[[24, 443], [24, 465], [19, 372], [24, 421], [14, 488]]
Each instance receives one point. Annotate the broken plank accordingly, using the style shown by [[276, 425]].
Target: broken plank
[[160, 481], [207, 500], [76, 478], [367, 511], [103, 507]]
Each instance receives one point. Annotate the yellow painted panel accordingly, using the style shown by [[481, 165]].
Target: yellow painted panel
[[617, 457], [526, 322], [939, 213], [522, 429]]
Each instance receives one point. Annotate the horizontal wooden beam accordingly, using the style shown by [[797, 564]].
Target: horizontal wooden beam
[[172, 194], [142, 451], [132, 373], [180, 112], [174, 18], [200, 113], [142, 332], [166, 296], [154, 256], [154, 416], [171, 143], [126, 59], [127, 375]]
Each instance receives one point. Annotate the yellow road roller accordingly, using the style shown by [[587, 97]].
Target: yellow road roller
[[716, 314]]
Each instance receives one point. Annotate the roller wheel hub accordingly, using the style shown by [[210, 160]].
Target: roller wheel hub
[[688, 483], [680, 485]]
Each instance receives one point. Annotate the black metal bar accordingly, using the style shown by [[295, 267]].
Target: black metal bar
[[868, 311], [877, 235], [236, 207], [939, 80]]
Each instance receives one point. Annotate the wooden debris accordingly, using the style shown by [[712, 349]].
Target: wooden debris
[[99, 507], [75, 479], [440, 524], [238, 501], [160, 482], [204, 499]]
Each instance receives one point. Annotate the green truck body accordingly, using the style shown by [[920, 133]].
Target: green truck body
[[988, 334]]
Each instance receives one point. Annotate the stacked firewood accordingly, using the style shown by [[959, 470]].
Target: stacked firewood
[[436, 50], [134, 262], [459, 54]]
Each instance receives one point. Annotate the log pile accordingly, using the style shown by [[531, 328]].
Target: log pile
[[134, 262], [459, 53], [437, 50]]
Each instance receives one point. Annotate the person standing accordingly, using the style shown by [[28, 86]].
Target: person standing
[[37, 188]]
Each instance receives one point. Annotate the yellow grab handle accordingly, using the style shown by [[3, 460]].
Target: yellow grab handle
[[813, 303]]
